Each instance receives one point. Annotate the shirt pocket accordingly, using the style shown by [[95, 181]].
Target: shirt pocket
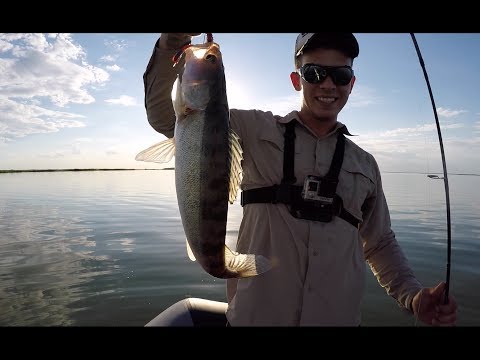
[[271, 138], [356, 184], [268, 153]]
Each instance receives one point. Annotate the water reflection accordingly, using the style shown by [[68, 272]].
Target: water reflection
[[46, 258], [108, 248]]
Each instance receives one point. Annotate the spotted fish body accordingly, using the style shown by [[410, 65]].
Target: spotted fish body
[[207, 164]]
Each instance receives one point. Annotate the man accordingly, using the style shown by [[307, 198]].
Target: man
[[313, 200]]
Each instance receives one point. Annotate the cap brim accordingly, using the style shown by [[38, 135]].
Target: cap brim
[[345, 42]]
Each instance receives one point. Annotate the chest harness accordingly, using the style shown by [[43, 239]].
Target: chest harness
[[316, 199]]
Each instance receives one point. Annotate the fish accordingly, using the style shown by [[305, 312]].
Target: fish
[[208, 169]]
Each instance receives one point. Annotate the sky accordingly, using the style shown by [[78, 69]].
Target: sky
[[77, 100]]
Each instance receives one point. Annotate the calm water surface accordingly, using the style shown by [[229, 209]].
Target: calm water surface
[[108, 248]]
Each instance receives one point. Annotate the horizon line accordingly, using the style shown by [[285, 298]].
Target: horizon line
[[172, 168]]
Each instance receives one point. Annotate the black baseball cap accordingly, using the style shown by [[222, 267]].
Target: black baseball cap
[[344, 42]]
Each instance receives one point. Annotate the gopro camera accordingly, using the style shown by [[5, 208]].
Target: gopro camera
[[311, 190]]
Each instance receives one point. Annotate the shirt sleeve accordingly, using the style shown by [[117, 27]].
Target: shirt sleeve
[[248, 123], [158, 80], [238, 122], [382, 251]]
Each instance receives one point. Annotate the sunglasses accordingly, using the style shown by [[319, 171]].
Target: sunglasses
[[316, 74]]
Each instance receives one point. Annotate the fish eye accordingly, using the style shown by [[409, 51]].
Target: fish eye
[[211, 58]]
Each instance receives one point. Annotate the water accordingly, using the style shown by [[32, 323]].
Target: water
[[108, 249]]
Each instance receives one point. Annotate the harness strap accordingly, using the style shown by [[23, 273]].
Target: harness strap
[[287, 193], [330, 181], [345, 215], [289, 154]]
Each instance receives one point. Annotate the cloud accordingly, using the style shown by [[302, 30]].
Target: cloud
[[5, 46], [39, 72], [124, 100], [51, 67], [418, 130], [413, 149], [108, 58], [114, 67], [117, 45], [449, 113], [19, 120]]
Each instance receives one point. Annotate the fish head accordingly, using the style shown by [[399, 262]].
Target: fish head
[[201, 75]]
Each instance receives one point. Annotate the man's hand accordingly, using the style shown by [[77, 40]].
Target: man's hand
[[173, 41], [428, 306]]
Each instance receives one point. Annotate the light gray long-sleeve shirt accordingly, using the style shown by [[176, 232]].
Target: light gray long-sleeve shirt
[[320, 268]]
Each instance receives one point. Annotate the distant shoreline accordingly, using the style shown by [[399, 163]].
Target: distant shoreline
[[55, 170], [427, 173], [172, 168]]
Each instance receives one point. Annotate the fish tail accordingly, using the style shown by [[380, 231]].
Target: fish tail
[[246, 265]]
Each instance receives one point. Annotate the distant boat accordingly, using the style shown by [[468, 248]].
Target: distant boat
[[435, 177]]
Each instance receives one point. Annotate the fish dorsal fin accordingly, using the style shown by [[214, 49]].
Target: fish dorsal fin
[[236, 157], [161, 152], [190, 252]]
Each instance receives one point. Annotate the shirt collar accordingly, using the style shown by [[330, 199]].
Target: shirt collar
[[294, 115]]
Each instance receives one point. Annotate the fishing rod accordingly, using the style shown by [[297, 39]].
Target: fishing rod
[[445, 178]]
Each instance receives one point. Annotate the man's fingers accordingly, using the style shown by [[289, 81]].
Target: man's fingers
[[445, 315], [439, 290], [445, 320]]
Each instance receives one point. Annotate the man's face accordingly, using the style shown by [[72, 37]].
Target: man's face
[[324, 100]]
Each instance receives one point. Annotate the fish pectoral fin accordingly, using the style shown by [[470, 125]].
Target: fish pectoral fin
[[236, 173], [246, 265], [161, 152], [190, 252]]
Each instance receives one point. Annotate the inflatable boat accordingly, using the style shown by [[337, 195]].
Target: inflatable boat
[[192, 312]]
